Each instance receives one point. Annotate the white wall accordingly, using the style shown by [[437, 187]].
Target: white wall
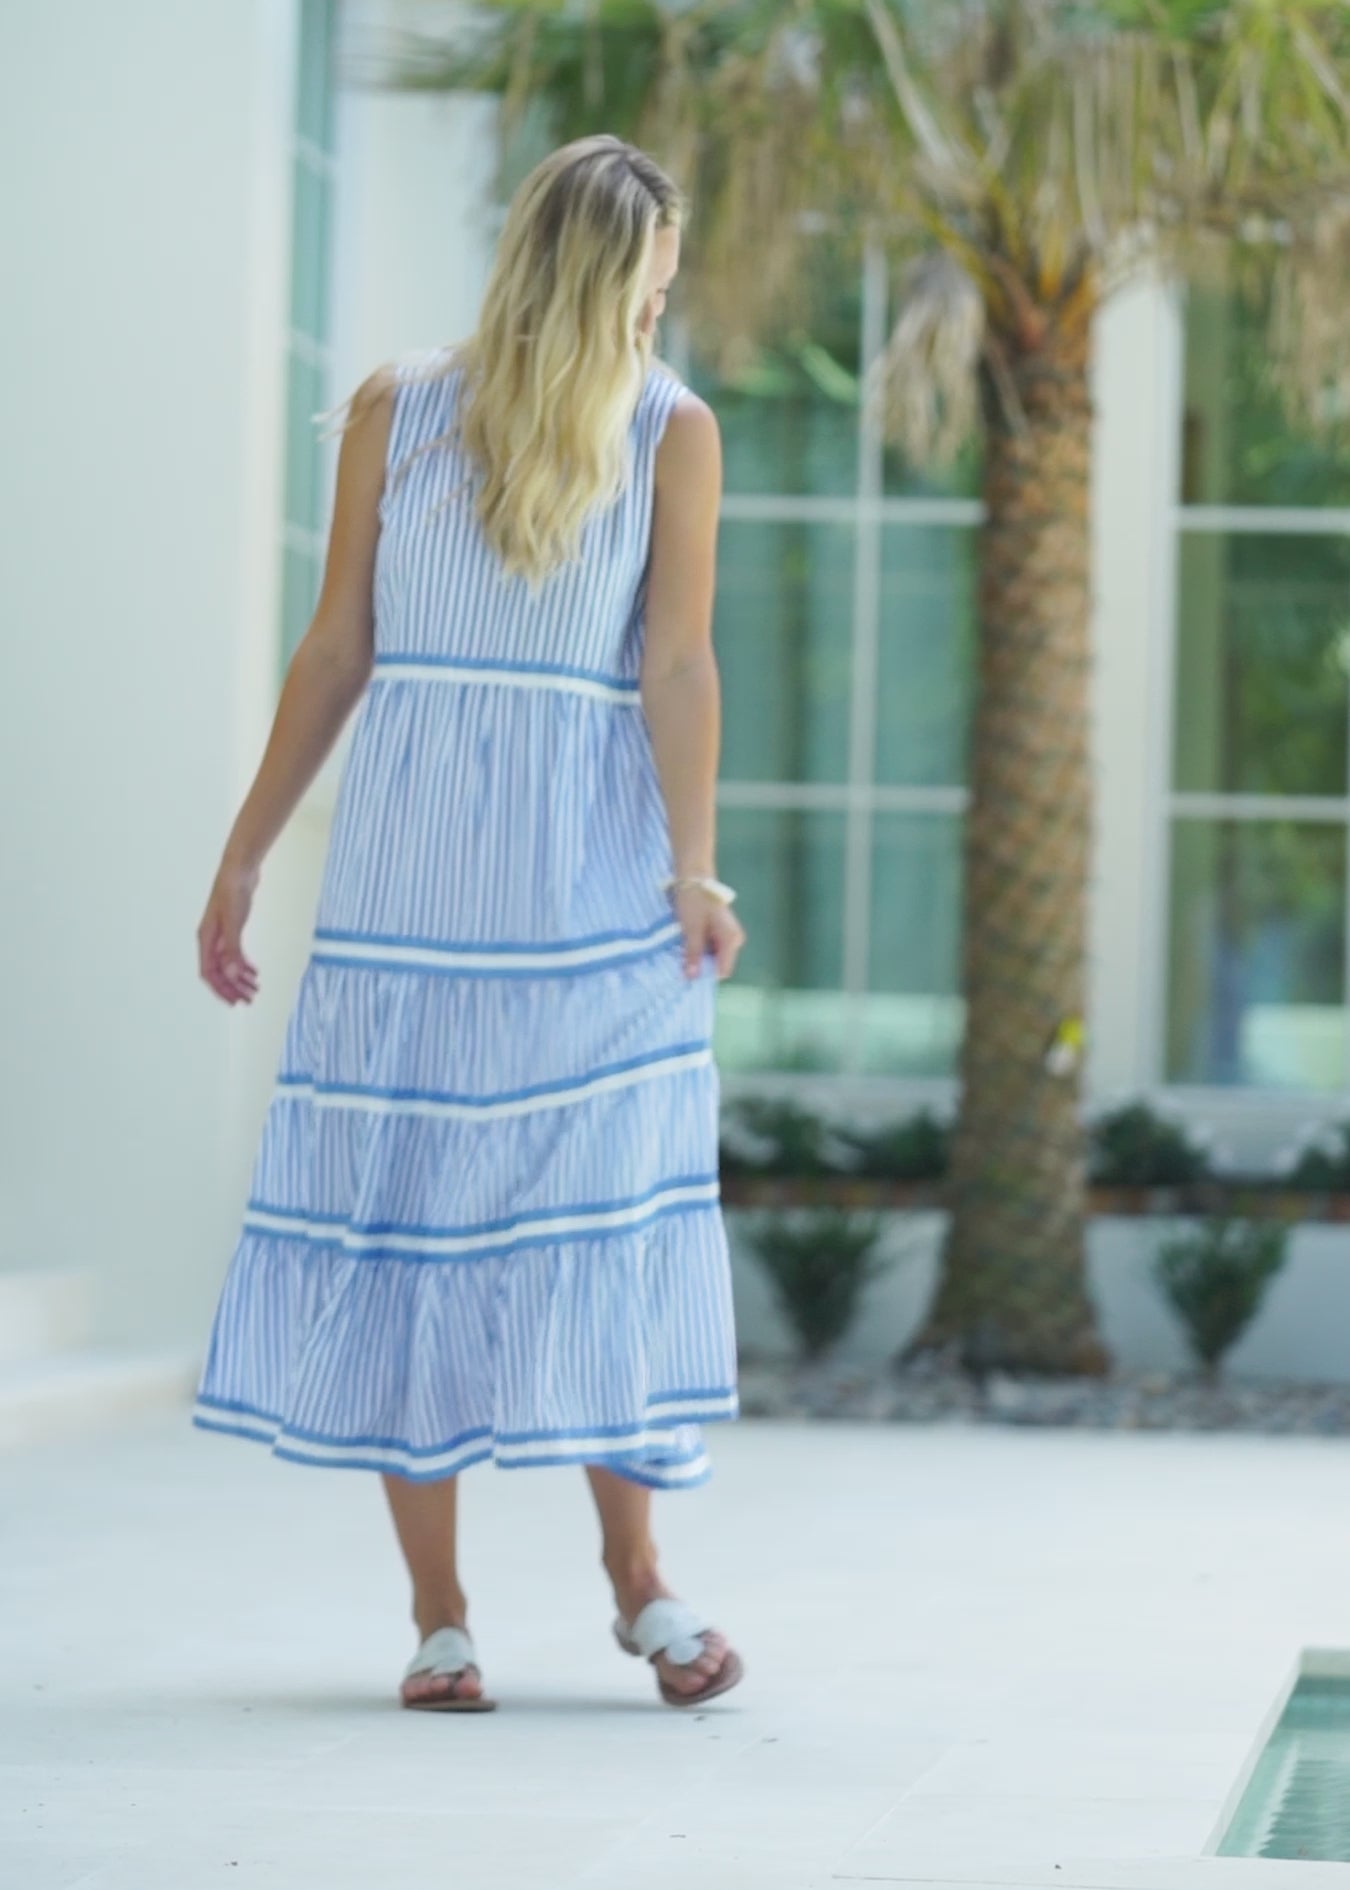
[[144, 226]]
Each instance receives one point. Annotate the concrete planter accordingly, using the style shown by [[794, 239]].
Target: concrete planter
[[1302, 1332]]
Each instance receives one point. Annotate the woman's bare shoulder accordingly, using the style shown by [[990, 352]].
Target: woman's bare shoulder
[[691, 445]]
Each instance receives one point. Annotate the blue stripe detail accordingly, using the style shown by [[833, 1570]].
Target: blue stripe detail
[[495, 1251], [484, 666], [470, 1231], [561, 1087]]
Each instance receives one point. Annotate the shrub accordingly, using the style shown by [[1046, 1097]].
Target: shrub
[[1134, 1146], [1323, 1164], [818, 1265], [1216, 1277], [915, 1149], [785, 1140]]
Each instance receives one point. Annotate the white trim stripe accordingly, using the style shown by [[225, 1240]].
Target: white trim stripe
[[502, 676], [632, 1449], [521, 1230], [459, 1109], [365, 951]]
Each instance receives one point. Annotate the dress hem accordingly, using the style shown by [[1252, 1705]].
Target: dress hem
[[536, 1450]]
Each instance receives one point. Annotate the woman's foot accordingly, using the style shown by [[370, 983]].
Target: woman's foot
[[426, 1689], [633, 1590], [438, 1688]]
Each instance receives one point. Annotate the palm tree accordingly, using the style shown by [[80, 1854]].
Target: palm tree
[[1017, 161]]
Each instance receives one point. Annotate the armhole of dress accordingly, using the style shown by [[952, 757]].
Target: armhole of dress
[[409, 380], [666, 397]]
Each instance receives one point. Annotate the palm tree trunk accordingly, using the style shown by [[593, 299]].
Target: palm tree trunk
[[1014, 1291]]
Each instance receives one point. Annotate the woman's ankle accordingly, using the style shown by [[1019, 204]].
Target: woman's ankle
[[446, 1608], [636, 1580]]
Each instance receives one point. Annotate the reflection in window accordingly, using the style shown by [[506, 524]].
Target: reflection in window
[[1263, 638], [789, 412], [784, 1009], [1257, 954], [783, 633], [1239, 444], [926, 641], [307, 389], [913, 1009]]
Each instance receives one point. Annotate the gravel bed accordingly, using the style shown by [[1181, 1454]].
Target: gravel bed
[[930, 1391]]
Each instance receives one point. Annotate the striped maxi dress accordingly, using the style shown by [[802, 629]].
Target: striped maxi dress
[[484, 1220]]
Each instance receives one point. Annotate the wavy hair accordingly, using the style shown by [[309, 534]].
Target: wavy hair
[[553, 371]]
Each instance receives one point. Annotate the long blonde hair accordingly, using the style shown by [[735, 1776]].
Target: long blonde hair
[[553, 371]]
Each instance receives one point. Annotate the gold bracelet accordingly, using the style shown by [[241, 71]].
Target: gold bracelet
[[715, 888]]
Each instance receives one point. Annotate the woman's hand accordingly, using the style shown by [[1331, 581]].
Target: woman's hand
[[710, 928], [220, 947]]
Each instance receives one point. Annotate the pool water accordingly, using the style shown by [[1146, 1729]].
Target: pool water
[[1297, 1803]]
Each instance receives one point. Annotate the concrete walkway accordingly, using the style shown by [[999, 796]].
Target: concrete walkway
[[974, 1657]]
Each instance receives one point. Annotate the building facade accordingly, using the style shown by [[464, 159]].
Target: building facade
[[206, 266]]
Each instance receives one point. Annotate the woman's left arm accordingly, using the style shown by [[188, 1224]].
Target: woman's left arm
[[680, 691]]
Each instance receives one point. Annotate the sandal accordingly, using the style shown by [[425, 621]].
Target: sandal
[[672, 1629], [448, 1652]]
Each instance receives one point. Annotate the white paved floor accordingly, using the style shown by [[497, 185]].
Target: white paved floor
[[974, 1657]]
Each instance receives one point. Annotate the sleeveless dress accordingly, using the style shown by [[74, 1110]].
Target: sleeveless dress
[[484, 1217]]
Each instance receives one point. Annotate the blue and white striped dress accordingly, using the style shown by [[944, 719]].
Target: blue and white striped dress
[[484, 1218]]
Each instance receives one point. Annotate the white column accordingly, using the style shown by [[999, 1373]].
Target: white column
[[1137, 398]]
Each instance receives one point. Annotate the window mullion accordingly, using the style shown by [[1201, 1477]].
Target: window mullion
[[865, 635]]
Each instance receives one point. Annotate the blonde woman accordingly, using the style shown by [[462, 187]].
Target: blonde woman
[[484, 1222]]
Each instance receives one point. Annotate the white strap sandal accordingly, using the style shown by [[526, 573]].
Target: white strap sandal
[[673, 1629], [447, 1652]]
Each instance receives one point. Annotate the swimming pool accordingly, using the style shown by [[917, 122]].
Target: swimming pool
[[1297, 1802]]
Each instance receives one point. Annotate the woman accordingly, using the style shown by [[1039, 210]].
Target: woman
[[484, 1220]]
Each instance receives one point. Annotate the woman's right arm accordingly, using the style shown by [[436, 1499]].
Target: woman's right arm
[[325, 680]]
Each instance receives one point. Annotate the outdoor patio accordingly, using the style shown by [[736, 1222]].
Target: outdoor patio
[[975, 1656]]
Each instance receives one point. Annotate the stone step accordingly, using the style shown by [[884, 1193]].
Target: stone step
[[83, 1391]]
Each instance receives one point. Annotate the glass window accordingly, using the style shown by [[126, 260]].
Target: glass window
[[784, 636], [1239, 444], [925, 643], [913, 1025], [314, 105], [1256, 921], [1257, 954], [789, 413], [308, 459], [850, 894], [1263, 639], [311, 241], [305, 394], [784, 1009]]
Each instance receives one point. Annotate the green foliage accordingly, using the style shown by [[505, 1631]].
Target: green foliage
[[1324, 1165], [1216, 1277], [1135, 1147], [1046, 152], [818, 1265], [791, 1140], [913, 1149]]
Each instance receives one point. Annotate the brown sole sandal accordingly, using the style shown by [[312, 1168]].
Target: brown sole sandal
[[672, 1629], [446, 1653]]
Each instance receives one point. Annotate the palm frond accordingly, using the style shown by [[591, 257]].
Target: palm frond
[[1051, 148], [926, 381]]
